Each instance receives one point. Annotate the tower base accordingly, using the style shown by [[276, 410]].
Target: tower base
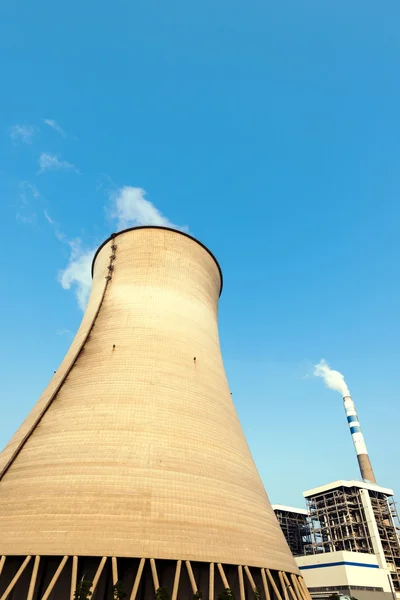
[[61, 577]]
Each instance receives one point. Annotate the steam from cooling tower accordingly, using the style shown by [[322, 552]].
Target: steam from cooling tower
[[334, 380]]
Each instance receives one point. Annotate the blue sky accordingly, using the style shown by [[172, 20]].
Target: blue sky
[[271, 130]]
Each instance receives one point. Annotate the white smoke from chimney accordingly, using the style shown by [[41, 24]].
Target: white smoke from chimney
[[332, 379]]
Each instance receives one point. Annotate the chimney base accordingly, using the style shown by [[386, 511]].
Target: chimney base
[[366, 468]]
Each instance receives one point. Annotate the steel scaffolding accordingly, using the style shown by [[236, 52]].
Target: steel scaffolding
[[296, 530], [338, 522], [387, 521]]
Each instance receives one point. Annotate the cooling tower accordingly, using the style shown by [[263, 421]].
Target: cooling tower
[[132, 469]]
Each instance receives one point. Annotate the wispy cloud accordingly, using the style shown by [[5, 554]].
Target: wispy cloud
[[67, 332], [54, 125], [22, 133], [27, 207], [26, 218], [51, 162], [57, 232], [130, 208], [77, 274]]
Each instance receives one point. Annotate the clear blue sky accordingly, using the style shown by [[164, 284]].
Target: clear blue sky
[[271, 130]]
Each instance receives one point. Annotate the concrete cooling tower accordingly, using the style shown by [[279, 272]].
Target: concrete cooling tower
[[131, 475]]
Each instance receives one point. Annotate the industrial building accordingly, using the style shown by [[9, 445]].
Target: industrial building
[[347, 541], [346, 573], [350, 520], [357, 517], [132, 475], [295, 526]]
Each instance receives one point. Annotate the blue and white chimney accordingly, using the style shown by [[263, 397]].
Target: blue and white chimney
[[358, 440]]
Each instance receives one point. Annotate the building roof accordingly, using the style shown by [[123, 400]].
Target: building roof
[[292, 509], [348, 484]]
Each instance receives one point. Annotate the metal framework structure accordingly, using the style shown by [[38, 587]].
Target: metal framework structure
[[47, 578], [387, 521], [295, 527], [338, 521]]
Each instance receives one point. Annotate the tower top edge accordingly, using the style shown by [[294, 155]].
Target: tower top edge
[[115, 235]]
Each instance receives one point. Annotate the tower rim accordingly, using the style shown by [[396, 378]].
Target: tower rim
[[162, 227]]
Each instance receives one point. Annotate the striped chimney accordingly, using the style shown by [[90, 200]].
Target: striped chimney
[[358, 440]]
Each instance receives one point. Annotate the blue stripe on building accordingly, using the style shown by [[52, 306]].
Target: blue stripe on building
[[355, 429], [352, 418], [339, 564]]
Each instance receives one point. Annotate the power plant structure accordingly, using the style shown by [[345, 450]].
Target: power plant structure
[[132, 475], [354, 547], [295, 526], [348, 543]]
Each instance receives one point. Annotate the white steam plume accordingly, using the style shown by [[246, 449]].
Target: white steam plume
[[332, 379], [77, 274], [131, 208]]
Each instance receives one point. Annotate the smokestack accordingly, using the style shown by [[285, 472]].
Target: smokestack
[[358, 440], [334, 380]]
